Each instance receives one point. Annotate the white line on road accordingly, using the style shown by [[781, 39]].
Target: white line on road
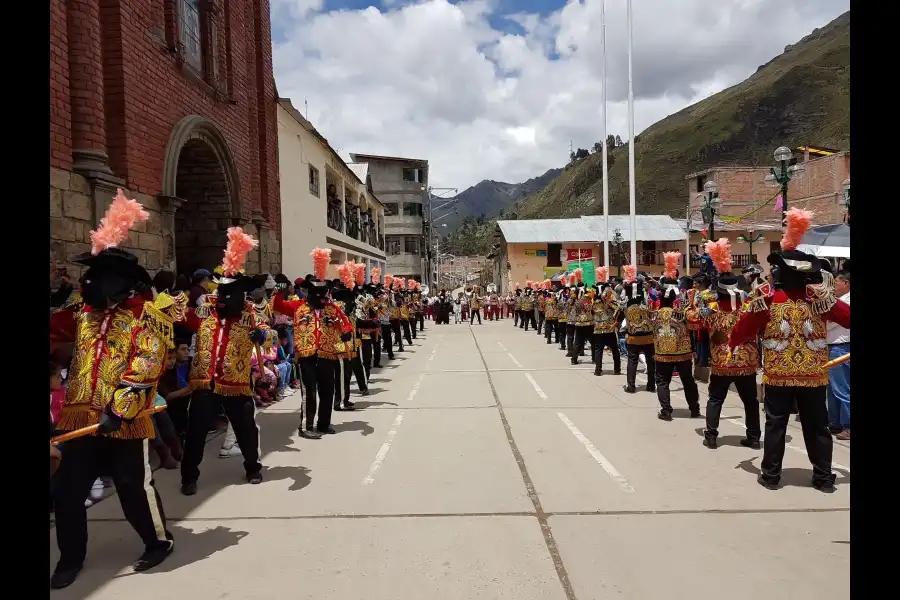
[[536, 387], [433, 352], [592, 450], [502, 347], [803, 451], [517, 363], [386, 446]]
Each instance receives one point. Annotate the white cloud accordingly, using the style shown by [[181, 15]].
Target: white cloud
[[434, 80]]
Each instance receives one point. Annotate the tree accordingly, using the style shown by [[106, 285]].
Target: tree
[[619, 143], [598, 147], [611, 141], [581, 153]]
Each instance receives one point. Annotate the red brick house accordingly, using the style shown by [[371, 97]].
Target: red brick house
[[173, 100]]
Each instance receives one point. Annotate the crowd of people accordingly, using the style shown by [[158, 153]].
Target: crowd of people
[[721, 329], [139, 363]]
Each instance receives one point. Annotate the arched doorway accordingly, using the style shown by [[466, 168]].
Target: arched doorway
[[200, 173]]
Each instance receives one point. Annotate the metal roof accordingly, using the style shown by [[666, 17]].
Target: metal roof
[[650, 228], [553, 231], [360, 169], [358, 157], [741, 226]]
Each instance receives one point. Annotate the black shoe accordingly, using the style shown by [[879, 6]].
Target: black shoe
[[826, 487], [574, 360], [151, 558], [769, 485], [664, 415], [651, 387], [748, 443], [365, 392], [598, 372], [189, 489], [329, 430], [617, 372], [349, 405], [390, 356], [695, 414], [255, 478], [337, 407], [377, 366], [549, 342], [710, 442], [63, 578], [629, 389], [309, 433]]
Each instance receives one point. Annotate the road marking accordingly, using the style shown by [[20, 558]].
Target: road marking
[[592, 450], [803, 451], [502, 347], [517, 363], [386, 446], [536, 387], [433, 352]]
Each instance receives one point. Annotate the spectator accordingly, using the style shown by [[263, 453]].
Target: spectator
[[174, 387], [164, 281], [838, 340], [283, 364], [200, 283]]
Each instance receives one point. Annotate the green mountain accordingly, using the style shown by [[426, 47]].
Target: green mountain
[[801, 97]]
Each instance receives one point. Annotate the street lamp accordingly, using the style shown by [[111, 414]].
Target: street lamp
[[781, 174], [617, 240], [711, 203], [751, 239]]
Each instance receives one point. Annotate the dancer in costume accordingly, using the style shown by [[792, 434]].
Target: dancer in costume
[[541, 306], [550, 313], [477, 303], [639, 332], [792, 316], [394, 303], [605, 311], [584, 318], [719, 319], [228, 333], [527, 307], [672, 344], [403, 301], [562, 312], [349, 362], [517, 306], [321, 332], [122, 335]]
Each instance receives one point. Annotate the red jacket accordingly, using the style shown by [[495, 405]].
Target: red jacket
[[316, 331], [794, 346]]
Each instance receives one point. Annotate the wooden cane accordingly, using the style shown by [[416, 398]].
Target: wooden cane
[[839, 360], [65, 437]]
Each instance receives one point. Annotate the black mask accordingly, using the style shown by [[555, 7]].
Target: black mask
[[105, 288], [316, 297], [230, 300]]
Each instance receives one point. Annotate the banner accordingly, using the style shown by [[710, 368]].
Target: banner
[[585, 253], [535, 252], [589, 276]]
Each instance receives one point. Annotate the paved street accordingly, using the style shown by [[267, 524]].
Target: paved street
[[484, 467]]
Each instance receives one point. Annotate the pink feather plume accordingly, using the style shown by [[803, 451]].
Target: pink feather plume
[[398, 284], [321, 257], [376, 275], [388, 279], [579, 275], [564, 279], [121, 216], [630, 273], [236, 250], [528, 283], [720, 253], [798, 221], [345, 272], [518, 285], [672, 260], [602, 274], [360, 269]]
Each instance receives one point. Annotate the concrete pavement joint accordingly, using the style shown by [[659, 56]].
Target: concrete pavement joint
[[562, 513], [541, 516], [597, 455]]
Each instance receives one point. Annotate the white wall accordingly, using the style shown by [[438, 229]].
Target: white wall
[[303, 222]]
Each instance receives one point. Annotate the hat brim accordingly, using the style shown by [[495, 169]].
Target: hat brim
[[115, 260], [801, 262]]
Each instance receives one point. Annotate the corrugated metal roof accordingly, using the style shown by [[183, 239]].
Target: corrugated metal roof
[[740, 226], [553, 231], [650, 228], [361, 170]]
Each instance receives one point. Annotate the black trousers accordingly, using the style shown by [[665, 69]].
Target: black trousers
[[582, 335], [601, 341], [813, 419], [561, 328], [746, 389], [404, 323], [474, 312], [241, 413], [634, 350], [549, 329], [387, 331], [420, 317], [127, 461], [366, 353], [517, 314], [570, 339], [528, 318], [398, 332], [664, 372], [540, 322], [178, 412], [318, 377], [346, 368]]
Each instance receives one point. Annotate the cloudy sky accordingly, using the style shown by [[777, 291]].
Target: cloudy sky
[[495, 89]]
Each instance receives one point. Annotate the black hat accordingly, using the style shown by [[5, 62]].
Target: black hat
[[117, 260], [755, 269], [793, 264]]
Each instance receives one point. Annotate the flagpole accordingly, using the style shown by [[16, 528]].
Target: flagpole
[[603, 137], [631, 183]]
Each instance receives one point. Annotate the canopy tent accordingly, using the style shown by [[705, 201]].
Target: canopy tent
[[827, 241]]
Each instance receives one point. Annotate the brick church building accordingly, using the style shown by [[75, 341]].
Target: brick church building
[[174, 101]]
